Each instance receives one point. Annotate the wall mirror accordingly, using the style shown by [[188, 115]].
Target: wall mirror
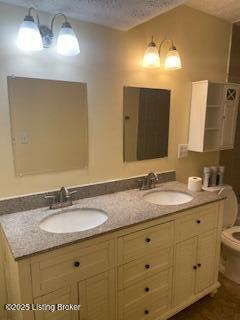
[[49, 125], [146, 123]]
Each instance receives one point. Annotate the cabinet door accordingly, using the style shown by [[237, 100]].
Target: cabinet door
[[97, 297], [206, 260], [64, 296], [231, 102], [185, 274]]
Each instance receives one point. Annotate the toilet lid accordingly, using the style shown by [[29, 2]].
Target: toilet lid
[[230, 210]]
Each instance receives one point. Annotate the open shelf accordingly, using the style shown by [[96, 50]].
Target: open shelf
[[215, 94], [211, 140], [213, 118]]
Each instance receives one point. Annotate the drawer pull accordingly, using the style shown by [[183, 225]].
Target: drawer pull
[[195, 267], [146, 312], [147, 266], [148, 240], [76, 264], [198, 221], [147, 289], [199, 265]]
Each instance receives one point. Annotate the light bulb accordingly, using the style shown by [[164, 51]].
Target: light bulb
[[173, 60], [29, 37], [67, 43], [151, 58]]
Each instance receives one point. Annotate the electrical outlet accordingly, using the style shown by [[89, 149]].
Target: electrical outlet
[[182, 151]]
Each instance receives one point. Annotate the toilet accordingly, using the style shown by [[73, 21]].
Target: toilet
[[230, 255]]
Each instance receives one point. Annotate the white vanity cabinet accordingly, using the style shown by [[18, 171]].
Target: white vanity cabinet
[[78, 274], [146, 272], [213, 117], [195, 266], [97, 297], [196, 254], [66, 295]]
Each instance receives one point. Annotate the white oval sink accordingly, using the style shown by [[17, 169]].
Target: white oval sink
[[167, 198], [74, 220]]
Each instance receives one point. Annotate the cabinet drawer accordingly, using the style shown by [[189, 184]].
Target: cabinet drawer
[[63, 266], [140, 269], [140, 243], [199, 221], [157, 284], [136, 304]]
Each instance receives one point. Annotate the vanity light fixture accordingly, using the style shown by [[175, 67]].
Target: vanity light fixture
[[151, 58], [34, 36]]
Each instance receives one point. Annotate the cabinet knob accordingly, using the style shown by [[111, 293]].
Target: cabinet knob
[[76, 264], [198, 221], [195, 267], [148, 240], [147, 289], [147, 266], [146, 312], [199, 265]]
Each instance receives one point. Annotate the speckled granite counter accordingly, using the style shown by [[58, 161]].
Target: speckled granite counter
[[124, 209]]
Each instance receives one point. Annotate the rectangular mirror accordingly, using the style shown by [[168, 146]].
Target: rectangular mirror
[[146, 123], [49, 125]]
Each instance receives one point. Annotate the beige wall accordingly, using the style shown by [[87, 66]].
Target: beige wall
[[109, 60]]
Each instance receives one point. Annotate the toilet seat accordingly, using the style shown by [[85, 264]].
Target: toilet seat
[[229, 240]]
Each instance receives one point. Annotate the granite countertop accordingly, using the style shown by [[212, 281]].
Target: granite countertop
[[124, 209]]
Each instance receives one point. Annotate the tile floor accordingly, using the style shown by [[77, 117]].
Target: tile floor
[[224, 306]]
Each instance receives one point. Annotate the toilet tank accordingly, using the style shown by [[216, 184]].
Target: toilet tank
[[231, 207]]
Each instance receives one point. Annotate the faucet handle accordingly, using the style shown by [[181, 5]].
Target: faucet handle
[[50, 197], [72, 192], [53, 197]]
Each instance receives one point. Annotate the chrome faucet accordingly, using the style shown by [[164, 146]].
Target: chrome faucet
[[63, 195], [149, 181], [61, 199]]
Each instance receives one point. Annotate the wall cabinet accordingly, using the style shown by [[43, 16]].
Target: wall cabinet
[[149, 271], [214, 108]]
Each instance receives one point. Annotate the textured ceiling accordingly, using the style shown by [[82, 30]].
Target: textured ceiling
[[118, 14], [225, 9]]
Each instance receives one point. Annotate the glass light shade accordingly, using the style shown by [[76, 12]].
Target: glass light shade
[[29, 37], [151, 58], [173, 60], [67, 42]]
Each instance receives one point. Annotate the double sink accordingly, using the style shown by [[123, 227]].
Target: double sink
[[74, 219]]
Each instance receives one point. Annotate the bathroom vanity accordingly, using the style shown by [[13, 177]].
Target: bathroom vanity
[[149, 262]]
